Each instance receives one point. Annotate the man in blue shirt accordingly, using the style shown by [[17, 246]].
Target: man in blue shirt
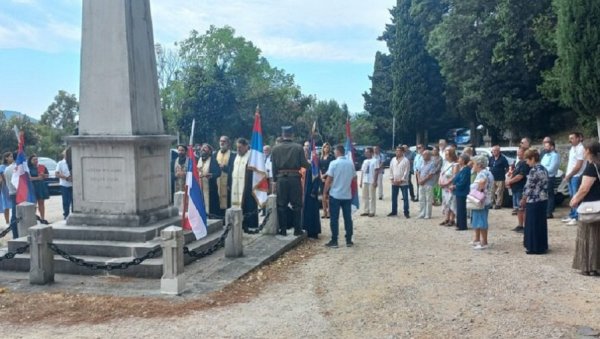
[[551, 162], [338, 190]]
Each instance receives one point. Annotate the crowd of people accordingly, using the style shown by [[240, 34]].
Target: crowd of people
[[38, 192], [465, 185], [468, 186]]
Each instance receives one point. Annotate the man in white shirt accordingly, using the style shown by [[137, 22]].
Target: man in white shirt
[[65, 180], [368, 182], [380, 159], [575, 168], [399, 175]]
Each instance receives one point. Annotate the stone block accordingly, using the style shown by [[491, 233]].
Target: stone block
[[272, 226], [234, 247], [172, 281], [41, 269], [26, 212]]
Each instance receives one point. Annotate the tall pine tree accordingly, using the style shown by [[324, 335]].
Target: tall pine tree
[[578, 42], [417, 96]]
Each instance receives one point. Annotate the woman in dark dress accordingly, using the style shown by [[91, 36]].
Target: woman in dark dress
[[310, 211], [38, 173], [460, 189], [587, 246], [535, 202], [324, 161]]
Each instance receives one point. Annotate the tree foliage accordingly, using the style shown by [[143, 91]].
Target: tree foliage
[[578, 46]]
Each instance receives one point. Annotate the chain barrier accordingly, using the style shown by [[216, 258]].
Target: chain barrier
[[262, 224], [216, 246], [11, 255], [107, 267], [6, 230], [215, 216]]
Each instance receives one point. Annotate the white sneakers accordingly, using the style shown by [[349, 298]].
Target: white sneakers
[[473, 242], [570, 221], [480, 247]]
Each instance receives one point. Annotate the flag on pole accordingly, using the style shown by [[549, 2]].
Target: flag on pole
[[194, 216], [350, 156], [256, 163], [20, 178], [314, 158]]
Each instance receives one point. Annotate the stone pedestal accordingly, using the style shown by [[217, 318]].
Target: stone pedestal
[[120, 180], [272, 226], [172, 281], [234, 247], [41, 267], [25, 212]]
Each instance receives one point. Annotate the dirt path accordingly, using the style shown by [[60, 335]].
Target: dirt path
[[403, 278]]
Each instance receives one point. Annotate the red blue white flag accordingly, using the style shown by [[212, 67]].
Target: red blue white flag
[[256, 163], [20, 178], [194, 217], [350, 156]]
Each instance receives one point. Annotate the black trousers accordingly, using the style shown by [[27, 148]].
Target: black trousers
[[289, 192]]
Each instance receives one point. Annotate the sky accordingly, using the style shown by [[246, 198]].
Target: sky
[[329, 46]]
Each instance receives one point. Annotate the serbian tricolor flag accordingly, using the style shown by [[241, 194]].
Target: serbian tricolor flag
[[194, 212], [256, 163], [350, 156], [20, 178]]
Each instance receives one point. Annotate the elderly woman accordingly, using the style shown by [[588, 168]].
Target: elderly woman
[[587, 246], [324, 161], [448, 171], [460, 189], [535, 202], [479, 218]]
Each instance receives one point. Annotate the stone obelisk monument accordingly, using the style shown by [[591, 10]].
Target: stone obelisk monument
[[121, 174]]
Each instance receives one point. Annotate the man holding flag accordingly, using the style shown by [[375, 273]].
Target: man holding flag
[[20, 186], [287, 159]]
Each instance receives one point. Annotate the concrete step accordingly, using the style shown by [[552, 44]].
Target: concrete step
[[150, 268], [212, 227], [132, 234], [113, 249]]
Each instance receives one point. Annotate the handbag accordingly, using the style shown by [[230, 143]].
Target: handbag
[[475, 200], [443, 180], [589, 211]]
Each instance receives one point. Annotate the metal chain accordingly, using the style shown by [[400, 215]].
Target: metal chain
[[107, 267], [6, 230], [215, 216], [216, 246], [262, 224], [11, 255]]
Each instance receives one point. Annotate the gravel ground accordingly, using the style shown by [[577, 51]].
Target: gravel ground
[[404, 278]]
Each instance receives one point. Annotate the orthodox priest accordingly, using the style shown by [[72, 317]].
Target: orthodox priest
[[224, 158], [209, 173], [241, 186]]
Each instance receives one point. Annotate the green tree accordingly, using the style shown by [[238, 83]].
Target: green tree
[[578, 42], [224, 78], [58, 121], [417, 96], [378, 99]]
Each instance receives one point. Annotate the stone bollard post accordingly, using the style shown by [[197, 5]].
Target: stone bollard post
[[25, 211], [172, 281], [233, 244], [41, 267], [272, 226], [178, 200]]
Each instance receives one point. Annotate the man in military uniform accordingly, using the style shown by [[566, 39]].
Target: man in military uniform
[[287, 159]]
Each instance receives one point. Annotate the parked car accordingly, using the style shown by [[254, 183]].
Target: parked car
[[51, 180], [459, 135]]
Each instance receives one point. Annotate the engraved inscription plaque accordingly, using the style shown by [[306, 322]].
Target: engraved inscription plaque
[[103, 179]]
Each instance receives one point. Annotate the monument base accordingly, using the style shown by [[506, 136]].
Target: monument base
[[121, 180]]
